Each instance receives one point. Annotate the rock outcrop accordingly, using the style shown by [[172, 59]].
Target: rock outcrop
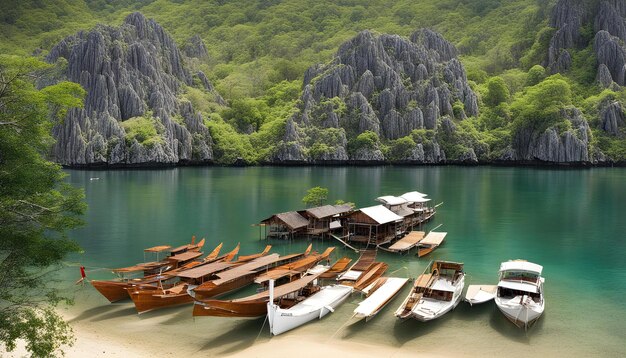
[[129, 71], [385, 84], [554, 145]]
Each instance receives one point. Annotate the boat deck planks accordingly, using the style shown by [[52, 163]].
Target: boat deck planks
[[408, 242]]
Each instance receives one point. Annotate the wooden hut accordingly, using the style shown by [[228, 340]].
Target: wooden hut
[[320, 218], [285, 225], [374, 225], [400, 207], [419, 204]]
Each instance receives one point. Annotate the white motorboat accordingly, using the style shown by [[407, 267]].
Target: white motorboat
[[316, 306], [520, 292], [437, 291]]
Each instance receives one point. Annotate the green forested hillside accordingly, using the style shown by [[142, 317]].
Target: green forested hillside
[[255, 44], [259, 51]]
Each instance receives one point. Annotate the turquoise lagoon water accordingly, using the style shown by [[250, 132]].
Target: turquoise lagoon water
[[570, 221]]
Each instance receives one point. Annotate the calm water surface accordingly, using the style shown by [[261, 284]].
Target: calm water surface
[[570, 221]]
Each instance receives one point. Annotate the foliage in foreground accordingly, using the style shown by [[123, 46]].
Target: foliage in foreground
[[36, 208]]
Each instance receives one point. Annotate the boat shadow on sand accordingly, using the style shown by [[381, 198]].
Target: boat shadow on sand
[[410, 329], [102, 313], [504, 327], [242, 335]]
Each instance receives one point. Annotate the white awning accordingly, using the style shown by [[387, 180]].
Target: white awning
[[517, 285], [413, 196], [521, 265], [381, 214], [391, 200], [335, 224]]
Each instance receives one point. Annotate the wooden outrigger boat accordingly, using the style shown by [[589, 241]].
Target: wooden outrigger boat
[[317, 306], [435, 292], [385, 289], [428, 244], [116, 290], [285, 295]]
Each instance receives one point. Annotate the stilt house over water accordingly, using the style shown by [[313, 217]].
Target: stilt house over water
[[285, 225], [323, 219], [315, 221], [374, 225]]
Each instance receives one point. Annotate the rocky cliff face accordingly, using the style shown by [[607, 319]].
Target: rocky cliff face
[[608, 20], [385, 84], [130, 71]]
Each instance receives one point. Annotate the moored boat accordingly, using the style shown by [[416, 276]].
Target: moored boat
[[285, 296], [316, 306], [384, 292], [520, 292], [435, 292], [116, 290], [429, 243]]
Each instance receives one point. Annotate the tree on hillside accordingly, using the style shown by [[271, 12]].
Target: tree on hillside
[[36, 208], [497, 93], [315, 196]]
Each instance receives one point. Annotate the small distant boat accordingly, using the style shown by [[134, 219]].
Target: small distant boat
[[384, 291], [520, 292], [316, 306], [428, 244], [435, 292], [477, 294]]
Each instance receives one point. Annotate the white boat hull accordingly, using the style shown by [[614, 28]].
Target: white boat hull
[[316, 306], [428, 309], [522, 314]]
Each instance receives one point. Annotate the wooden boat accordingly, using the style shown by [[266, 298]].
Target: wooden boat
[[317, 306], [239, 276], [520, 292], [411, 240], [152, 297], [116, 290], [364, 271], [337, 268], [254, 256], [172, 290], [285, 296], [430, 243], [434, 293], [477, 294], [371, 275], [294, 268], [385, 290]]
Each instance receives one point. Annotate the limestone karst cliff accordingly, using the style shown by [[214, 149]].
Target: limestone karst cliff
[[384, 84], [134, 70]]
